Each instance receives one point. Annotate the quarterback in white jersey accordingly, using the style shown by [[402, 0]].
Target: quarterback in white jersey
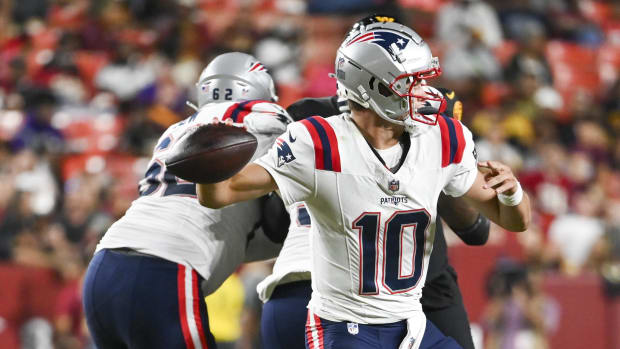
[[145, 286], [387, 218], [373, 220]]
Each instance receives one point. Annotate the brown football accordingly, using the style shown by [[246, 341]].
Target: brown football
[[211, 153]]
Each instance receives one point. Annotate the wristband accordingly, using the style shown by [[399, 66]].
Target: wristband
[[511, 200]]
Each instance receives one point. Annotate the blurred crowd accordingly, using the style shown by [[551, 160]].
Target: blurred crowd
[[86, 87]]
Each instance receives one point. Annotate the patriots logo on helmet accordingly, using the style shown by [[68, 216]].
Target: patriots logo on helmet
[[285, 154], [389, 41]]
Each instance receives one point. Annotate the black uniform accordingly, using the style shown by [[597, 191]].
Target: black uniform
[[441, 297]]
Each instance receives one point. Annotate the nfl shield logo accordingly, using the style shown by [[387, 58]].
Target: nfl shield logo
[[352, 327], [393, 185]]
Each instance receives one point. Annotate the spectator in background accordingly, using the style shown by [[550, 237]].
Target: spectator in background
[[37, 132], [458, 21], [127, 74], [82, 211], [574, 235], [611, 265], [530, 57], [519, 315], [545, 178], [493, 144], [469, 29]]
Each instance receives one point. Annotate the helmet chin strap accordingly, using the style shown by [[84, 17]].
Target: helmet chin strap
[[191, 105]]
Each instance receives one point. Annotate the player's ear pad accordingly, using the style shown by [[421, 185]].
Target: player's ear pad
[[275, 220]]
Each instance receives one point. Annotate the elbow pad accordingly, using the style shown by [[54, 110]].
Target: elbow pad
[[275, 219], [476, 234]]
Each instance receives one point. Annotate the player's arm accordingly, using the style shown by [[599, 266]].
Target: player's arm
[[288, 167], [468, 224], [512, 211], [252, 182]]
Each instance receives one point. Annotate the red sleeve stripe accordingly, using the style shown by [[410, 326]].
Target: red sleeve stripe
[[229, 111], [458, 127], [326, 153], [333, 142], [445, 142], [452, 141], [318, 146], [238, 111]]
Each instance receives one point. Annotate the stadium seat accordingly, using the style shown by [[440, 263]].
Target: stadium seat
[[89, 63], [423, 5], [575, 68]]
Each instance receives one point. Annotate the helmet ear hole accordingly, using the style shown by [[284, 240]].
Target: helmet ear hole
[[371, 82]]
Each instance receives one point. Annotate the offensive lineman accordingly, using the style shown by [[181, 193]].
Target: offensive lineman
[[371, 181], [143, 288]]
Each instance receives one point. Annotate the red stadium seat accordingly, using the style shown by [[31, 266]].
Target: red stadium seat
[[596, 11], [570, 53], [89, 63], [575, 68], [423, 5], [93, 135], [609, 63]]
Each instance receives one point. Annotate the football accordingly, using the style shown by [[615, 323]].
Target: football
[[211, 153]]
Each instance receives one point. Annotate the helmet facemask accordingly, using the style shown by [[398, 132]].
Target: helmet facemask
[[410, 87]]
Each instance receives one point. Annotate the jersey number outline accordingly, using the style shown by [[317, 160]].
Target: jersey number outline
[[367, 225], [154, 177]]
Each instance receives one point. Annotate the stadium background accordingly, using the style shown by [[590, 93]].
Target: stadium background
[[86, 87]]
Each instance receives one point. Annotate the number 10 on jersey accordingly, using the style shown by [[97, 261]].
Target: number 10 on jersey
[[400, 245]]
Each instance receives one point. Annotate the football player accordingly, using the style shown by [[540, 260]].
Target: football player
[[370, 182], [143, 288], [286, 292]]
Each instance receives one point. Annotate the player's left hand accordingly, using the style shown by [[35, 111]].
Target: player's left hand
[[499, 177]]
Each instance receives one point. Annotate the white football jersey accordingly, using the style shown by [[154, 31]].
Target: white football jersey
[[293, 263], [372, 230], [168, 221]]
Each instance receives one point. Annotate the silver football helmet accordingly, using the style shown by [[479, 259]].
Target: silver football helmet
[[234, 76], [383, 66]]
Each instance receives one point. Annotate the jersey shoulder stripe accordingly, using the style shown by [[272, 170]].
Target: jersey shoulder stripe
[[326, 153], [452, 140], [238, 111]]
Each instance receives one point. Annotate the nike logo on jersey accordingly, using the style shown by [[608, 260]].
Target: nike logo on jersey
[[290, 137]]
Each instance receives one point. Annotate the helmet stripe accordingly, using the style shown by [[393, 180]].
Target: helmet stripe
[[371, 35], [257, 66]]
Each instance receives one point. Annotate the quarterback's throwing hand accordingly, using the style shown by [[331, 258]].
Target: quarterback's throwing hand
[[499, 177]]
